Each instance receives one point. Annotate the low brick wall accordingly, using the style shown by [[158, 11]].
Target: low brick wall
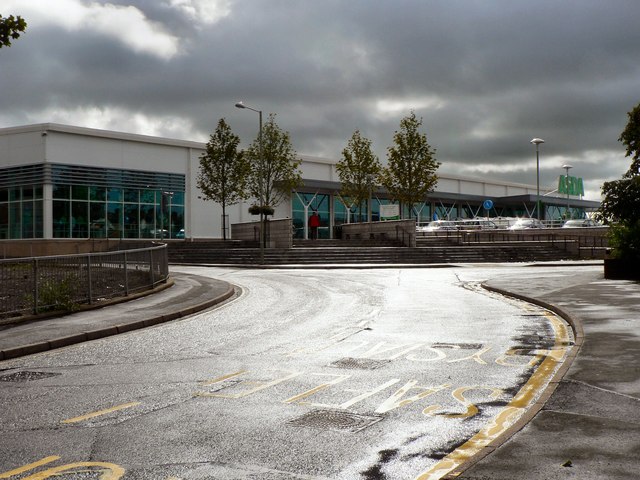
[[402, 230], [279, 232]]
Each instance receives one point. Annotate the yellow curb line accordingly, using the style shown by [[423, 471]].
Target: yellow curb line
[[520, 411]]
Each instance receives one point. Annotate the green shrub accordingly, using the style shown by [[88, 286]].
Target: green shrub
[[58, 294]]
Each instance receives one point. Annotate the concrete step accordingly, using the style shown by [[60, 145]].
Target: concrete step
[[374, 255]]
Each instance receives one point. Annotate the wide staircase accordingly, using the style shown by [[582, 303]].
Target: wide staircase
[[361, 252]]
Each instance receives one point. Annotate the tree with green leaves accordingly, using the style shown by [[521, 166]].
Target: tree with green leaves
[[224, 170], [630, 138], [358, 170], [274, 167], [10, 29], [411, 169], [621, 203]]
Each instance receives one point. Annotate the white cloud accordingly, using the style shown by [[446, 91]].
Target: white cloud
[[117, 119], [389, 107], [204, 11], [126, 24]]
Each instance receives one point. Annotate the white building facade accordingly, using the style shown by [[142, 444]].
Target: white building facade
[[60, 181]]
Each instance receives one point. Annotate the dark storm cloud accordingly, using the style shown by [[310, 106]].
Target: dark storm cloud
[[485, 77]]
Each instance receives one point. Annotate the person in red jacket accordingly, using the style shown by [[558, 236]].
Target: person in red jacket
[[314, 223]]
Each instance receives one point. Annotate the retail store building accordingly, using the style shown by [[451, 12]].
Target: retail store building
[[59, 181]]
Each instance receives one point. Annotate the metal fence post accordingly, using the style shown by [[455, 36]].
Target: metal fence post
[[126, 276], [35, 286], [151, 267], [89, 286]]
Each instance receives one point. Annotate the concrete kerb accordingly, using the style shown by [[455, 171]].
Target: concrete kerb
[[578, 334], [112, 330]]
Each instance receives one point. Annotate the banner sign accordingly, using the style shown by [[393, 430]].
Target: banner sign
[[575, 185], [389, 212]]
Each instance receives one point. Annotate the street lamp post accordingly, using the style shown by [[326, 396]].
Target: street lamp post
[[261, 199], [566, 184], [536, 142]]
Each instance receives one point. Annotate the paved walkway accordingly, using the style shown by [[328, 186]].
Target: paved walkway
[[188, 294], [588, 429], [590, 426]]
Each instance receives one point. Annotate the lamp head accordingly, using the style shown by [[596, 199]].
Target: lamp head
[[567, 166], [537, 141], [240, 105]]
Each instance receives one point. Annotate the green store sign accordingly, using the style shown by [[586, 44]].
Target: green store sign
[[570, 185]]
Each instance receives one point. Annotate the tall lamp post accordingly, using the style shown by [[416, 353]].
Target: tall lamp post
[[261, 199], [566, 185], [536, 142]]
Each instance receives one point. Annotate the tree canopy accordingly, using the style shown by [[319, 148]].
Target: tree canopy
[[358, 169], [630, 138], [274, 166], [411, 170], [621, 203], [10, 29], [224, 170]]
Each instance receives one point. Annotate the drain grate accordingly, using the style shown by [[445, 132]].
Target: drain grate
[[335, 420], [359, 363], [26, 376]]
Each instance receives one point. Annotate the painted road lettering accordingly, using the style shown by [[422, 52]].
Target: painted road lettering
[[107, 471]]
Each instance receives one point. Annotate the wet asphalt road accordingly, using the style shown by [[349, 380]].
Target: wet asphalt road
[[339, 374]]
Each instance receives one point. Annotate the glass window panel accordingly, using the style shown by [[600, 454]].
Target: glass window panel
[[177, 222], [114, 220], [80, 219], [80, 192], [37, 192], [162, 221], [178, 198], [15, 227], [27, 193], [97, 220], [27, 219], [114, 195], [4, 195], [4, 221], [131, 218], [14, 193], [147, 222], [61, 225], [97, 194], [131, 195], [148, 196], [61, 191], [39, 220]]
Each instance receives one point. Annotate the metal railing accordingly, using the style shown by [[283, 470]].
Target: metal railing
[[62, 283]]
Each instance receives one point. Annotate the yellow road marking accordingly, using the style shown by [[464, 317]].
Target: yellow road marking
[[223, 378], [28, 467], [510, 414], [99, 413], [110, 471]]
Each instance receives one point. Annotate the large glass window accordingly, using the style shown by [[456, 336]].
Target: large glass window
[[316, 202], [21, 212], [114, 206]]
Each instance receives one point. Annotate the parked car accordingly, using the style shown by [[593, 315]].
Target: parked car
[[526, 224], [476, 224], [581, 223], [437, 225]]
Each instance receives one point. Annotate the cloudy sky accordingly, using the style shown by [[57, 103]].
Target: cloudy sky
[[486, 76]]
